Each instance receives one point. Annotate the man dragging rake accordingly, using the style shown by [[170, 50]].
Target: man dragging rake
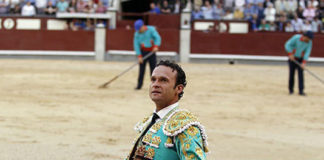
[[146, 43], [299, 49]]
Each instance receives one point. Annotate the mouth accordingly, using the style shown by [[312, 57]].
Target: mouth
[[155, 92]]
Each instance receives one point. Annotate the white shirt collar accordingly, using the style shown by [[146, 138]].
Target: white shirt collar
[[161, 113]]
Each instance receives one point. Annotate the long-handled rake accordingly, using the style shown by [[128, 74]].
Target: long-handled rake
[[125, 71], [311, 73]]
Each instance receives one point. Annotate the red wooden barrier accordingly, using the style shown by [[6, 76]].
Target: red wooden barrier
[[265, 43], [47, 40], [122, 39]]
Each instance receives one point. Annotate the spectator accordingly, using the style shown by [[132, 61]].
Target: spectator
[[252, 2], [207, 10], [198, 3], [321, 4], [272, 26], [270, 13], [280, 6], [177, 7], [154, 9], [281, 22], [309, 13], [81, 6], [218, 12], [289, 27], [14, 6], [73, 6], [197, 14], [299, 12], [260, 10], [76, 25], [291, 6], [249, 11], [166, 9], [297, 23], [319, 13], [228, 15], [53, 2], [302, 4], [4, 6], [40, 5], [240, 4], [264, 26], [267, 3], [32, 2], [89, 7], [89, 25], [211, 2], [314, 3], [101, 8], [105, 3], [238, 14], [16, 9], [259, 1], [254, 24], [228, 5], [209, 29], [316, 25], [102, 23], [307, 26], [62, 6], [28, 9], [50, 8]]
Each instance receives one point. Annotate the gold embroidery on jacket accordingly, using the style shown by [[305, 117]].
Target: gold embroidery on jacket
[[156, 127], [156, 141], [147, 138], [150, 153], [140, 151]]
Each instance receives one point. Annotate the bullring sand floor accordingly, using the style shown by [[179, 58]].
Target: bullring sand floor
[[52, 110]]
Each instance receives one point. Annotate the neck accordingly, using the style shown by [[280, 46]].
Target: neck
[[160, 106]]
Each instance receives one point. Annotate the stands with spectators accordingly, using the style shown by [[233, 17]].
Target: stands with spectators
[[279, 15]]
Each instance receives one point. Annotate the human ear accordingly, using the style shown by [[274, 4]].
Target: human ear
[[179, 88]]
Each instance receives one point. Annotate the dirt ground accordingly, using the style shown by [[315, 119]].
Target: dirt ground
[[52, 110]]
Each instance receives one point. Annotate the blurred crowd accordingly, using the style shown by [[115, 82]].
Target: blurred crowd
[[50, 7], [167, 6], [265, 15]]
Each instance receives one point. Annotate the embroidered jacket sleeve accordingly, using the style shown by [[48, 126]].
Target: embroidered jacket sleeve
[[189, 144]]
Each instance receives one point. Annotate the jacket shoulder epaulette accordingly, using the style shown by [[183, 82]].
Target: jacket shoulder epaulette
[[179, 121], [140, 125]]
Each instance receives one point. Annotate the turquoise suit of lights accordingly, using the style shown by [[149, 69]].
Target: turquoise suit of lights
[[178, 136]]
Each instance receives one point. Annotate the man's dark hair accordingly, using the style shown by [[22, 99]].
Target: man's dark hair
[[181, 75]]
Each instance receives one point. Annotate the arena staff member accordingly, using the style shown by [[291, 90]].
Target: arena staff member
[[146, 40], [169, 133], [299, 48]]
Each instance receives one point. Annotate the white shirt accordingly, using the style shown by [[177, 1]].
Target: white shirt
[[41, 3], [269, 13], [207, 12], [297, 24], [163, 112], [239, 3], [307, 27], [28, 10]]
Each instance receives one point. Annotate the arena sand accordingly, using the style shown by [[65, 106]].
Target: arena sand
[[52, 110]]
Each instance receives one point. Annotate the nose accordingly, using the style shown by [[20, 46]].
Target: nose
[[155, 84]]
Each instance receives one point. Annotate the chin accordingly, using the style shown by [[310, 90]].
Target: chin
[[155, 98]]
